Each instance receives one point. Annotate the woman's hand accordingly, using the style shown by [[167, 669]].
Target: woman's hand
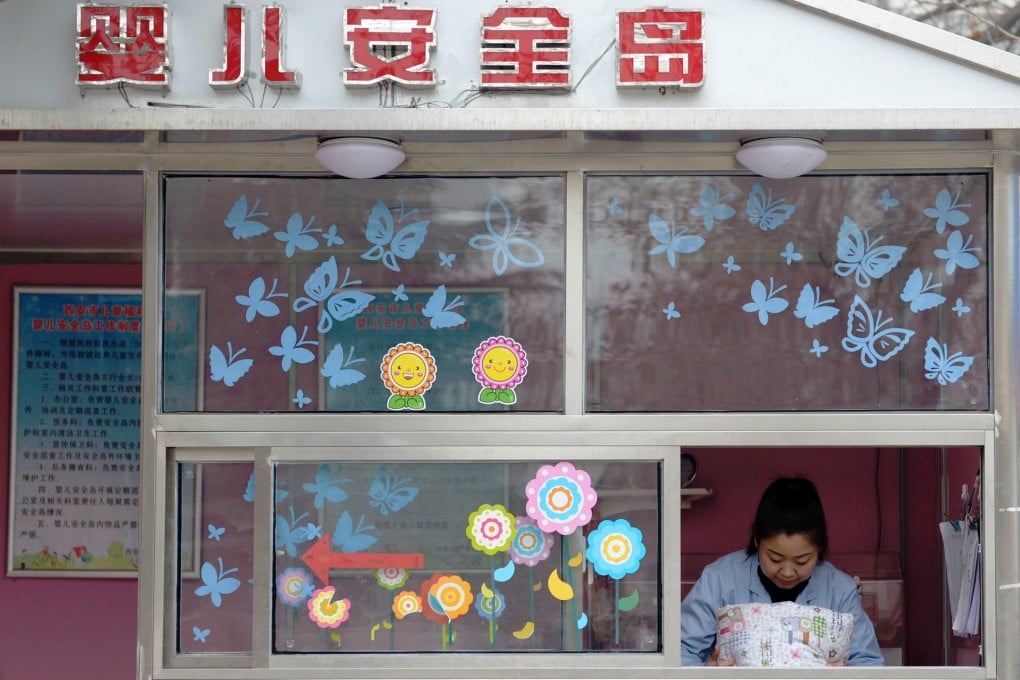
[[713, 660]]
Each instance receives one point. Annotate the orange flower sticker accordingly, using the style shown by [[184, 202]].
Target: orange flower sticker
[[408, 371]]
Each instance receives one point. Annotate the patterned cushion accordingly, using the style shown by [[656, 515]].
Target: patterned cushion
[[783, 634]]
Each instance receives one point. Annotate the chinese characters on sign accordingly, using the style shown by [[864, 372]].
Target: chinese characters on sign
[[521, 47], [74, 486]]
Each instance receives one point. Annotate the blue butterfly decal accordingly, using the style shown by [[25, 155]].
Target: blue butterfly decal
[[670, 311], [439, 313], [227, 367], [240, 221], [917, 292], [293, 350], [766, 213], [388, 246], [508, 246], [215, 532], [298, 235], [289, 534], [730, 265], [940, 365], [338, 369], [349, 538], [958, 254], [790, 255], [332, 237], [670, 240], [340, 306], [712, 207], [862, 257], [812, 308], [818, 349], [200, 634], [249, 491], [389, 493], [887, 201], [960, 308], [313, 531], [327, 486], [215, 583], [947, 211], [257, 301], [764, 301], [398, 294], [446, 259], [300, 399], [867, 333], [614, 206]]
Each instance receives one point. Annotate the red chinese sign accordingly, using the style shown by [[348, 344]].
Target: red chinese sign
[[526, 47], [123, 44], [521, 47], [660, 47]]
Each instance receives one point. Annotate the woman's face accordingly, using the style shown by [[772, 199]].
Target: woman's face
[[787, 559]]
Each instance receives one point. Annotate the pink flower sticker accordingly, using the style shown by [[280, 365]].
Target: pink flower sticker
[[499, 365], [560, 498], [324, 611]]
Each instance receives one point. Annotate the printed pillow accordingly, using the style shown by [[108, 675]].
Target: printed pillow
[[782, 634]]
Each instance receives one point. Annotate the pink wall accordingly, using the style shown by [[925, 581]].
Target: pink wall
[[57, 628]]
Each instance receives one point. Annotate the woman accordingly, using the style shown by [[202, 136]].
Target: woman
[[784, 561]]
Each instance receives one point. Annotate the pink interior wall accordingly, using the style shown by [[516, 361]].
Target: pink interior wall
[[57, 628]]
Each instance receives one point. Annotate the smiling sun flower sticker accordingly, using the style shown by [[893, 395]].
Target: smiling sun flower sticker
[[408, 371], [499, 364]]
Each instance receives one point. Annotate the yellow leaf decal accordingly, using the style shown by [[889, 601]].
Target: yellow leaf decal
[[526, 632], [559, 589]]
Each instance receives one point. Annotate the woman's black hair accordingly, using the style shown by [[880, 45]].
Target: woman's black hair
[[790, 505]]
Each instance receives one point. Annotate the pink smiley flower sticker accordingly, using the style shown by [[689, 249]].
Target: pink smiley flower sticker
[[499, 365]]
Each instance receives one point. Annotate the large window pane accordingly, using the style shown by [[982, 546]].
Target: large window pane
[[816, 293], [467, 557], [437, 294]]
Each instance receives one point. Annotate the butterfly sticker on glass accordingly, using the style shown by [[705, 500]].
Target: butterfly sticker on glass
[[940, 365], [614, 206], [338, 368], [390, 243], [215, 532], [870, 334], [947, 211], [918, 292], [862, 257], [389, 493], [812, 308], [887, 201], [200, 634], [398, 294], [958, 253], [239, 219], [766, 213], [217, 583], [670, 311], [730, 265], [328, 486], [298, 235], [258, 302], [790, 254], [818, 349], [446, 259], [350, 538], [440, 313], [765, 302], [343, 305], [960, 308], [507, 243], [711, 206], [300, 399], [227, 367], [672, 241], [332, 237], [292, 349]]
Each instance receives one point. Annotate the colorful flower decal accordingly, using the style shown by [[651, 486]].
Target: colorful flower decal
[[491, 604], [324, 611], [452, 595], [615, 548], [408, 371], [391, 578], [560, 498], [406, 602], [430, 607], [490, 528], [499, 364], [530, 545], [294, 586]]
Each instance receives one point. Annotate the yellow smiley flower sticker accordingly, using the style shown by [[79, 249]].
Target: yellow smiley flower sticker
[[408, 371]]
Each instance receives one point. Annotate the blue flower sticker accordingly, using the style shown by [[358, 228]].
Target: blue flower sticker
[[615, 548]]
